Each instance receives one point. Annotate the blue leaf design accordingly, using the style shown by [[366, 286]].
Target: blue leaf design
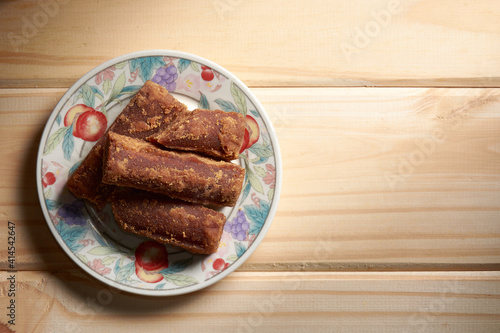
[[58, 119], [203, 103], [129, 90], [125, 272], [71, 235], [160, 286], [74, 167], [261, 160], [177, 266], [134, 64], [257, 216], [226, 105], [240, 249], [261, 150], [183, 64], [255, 113], [246, 190], [68, 143], [52, 204], [118, 265], [146, 66], [97, 91]]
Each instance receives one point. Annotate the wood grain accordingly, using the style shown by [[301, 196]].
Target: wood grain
[[373, 179], [71, 301], [302, 43]]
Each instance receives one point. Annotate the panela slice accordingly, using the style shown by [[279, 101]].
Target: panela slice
[[190, 226], [191, 177], [214, 133], [150, 110]]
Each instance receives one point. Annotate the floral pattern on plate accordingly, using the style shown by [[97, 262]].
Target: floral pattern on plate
[[128, 261]]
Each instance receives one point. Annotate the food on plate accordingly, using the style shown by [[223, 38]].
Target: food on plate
[[193, 227], [151, 109], [160, 165], [187, 176], [214, 133]]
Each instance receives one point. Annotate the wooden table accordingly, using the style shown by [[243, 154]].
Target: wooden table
[[388, 117]]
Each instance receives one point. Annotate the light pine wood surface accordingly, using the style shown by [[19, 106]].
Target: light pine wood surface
[[70, 301], [388, 119], [266, 43]]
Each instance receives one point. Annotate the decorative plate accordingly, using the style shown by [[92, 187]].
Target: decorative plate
[[92, 238]]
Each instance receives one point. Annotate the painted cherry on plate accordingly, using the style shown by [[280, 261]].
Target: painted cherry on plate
[[207, 74], [48, 179], [219, 264]]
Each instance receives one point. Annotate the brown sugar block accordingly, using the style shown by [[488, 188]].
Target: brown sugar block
[[151, 109], [191, 226], [191, 177], [210, 132]]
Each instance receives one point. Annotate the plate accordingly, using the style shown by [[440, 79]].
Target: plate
[[92, 239]]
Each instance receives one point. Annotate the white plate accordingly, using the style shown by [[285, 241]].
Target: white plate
[[93, 240]]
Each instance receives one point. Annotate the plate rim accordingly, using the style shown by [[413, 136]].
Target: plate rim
[[262, 113]]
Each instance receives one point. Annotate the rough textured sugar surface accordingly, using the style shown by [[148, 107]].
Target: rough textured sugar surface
[[210, 132], [190, 226], [139, 164], [151, 109]]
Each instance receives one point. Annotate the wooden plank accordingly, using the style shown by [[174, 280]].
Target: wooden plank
[[71, 301], [373, 179], [306, 43]]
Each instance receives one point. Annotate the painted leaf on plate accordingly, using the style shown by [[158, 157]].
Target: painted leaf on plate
[[117, 87], [97, 92], [146, 66], [108, 260], [270, 194], [239, 98], [259, 171], [240, 249], [71, 235], [253, 179], [125, 272], [183, 64], [180, 280], [88, 95], [261, 150], [226, 105], [74, 167], [103, 250], [194, 66], [106, 86], [160, 286], [203, 103], [257, 216], [52, 204], [68, 143], [246, 189], [255, 113], [54, 140], [128, 90], [177, 266]]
